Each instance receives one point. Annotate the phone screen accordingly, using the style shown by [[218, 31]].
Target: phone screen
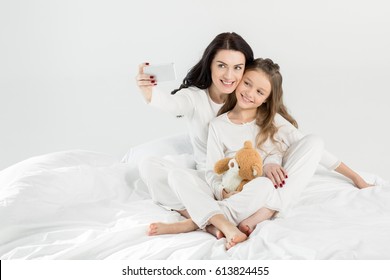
[[162, 72]]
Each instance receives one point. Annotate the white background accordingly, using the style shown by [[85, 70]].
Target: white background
[[67, 70]]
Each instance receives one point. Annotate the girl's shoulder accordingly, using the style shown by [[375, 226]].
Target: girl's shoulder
[[221, 119], [280, 120]]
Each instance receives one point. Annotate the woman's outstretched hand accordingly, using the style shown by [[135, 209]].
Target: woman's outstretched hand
[[276, 173], [145, 82]]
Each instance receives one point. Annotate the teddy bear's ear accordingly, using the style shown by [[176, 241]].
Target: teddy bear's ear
[[222, 165], [247, 144], [257, 170]]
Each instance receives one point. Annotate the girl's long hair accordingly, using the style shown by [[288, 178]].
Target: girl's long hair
[[274, 104], [200, 75]]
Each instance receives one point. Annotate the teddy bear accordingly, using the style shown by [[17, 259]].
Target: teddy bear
[[246, 165]]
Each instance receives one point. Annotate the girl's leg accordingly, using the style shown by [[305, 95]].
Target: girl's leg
[[215, 231], [199, 200], [301, 161], [249, 224], [232, 233], [258, 194]]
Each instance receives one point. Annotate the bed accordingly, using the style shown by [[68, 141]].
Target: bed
[[86, 205]]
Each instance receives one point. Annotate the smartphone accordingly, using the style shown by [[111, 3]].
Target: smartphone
[[162, 72]]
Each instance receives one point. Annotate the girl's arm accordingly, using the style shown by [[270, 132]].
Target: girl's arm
[[349, 173]]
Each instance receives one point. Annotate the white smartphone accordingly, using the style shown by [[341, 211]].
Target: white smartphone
[[162, 72]]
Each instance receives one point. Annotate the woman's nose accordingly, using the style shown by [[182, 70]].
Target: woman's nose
[[228, 73]]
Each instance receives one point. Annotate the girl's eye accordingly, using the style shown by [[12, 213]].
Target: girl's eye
[[259, 92], [246, 83]]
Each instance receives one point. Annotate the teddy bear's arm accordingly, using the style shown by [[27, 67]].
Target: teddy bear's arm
[[241, 185]]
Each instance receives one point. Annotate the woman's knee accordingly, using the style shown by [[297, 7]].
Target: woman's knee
[[176, 177], [151, 165]]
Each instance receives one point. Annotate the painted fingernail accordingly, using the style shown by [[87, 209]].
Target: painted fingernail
[[151, 77], [152, 81], [284, 182], [286, 176], [281, 185], [275, 186], [146, 63]]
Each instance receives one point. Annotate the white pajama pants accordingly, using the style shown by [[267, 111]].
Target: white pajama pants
[[154, 173], [300, 161]]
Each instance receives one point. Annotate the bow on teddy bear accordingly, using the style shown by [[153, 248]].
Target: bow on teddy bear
[[246, 165]]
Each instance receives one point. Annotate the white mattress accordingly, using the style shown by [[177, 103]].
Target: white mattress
[[87, 205]]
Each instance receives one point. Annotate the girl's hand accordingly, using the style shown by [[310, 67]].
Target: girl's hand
[[276, 173], [145, 82], [225, 194]]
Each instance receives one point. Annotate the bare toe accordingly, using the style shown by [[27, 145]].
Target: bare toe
[[152, 229]]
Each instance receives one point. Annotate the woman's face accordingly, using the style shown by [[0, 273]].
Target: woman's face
[[253, 89], [227, 69]]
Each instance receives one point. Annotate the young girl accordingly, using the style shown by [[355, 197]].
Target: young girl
[[256, 112]]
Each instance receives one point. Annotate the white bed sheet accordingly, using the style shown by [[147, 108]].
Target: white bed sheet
[[87, 205]]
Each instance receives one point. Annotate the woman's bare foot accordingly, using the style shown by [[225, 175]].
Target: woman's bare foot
[[214, 231], [172, 228], [248, 225]]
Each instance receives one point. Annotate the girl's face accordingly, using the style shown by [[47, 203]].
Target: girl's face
[[253, 89], [227, 69]]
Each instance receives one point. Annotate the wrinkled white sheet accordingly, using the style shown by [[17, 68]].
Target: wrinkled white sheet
[[86, 205]]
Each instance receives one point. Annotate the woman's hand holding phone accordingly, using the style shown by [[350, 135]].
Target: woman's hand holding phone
[[145, 82]]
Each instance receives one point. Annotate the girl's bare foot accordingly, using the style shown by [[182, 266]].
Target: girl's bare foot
[[234, 237], [248, 225], [232, 233], [214, 231], [172, 228]]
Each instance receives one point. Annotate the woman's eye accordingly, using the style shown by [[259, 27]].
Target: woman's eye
[[238, 67], [221, 65]]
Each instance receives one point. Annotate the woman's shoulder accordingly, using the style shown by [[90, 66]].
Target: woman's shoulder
[[192, 90], [194, 93]]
